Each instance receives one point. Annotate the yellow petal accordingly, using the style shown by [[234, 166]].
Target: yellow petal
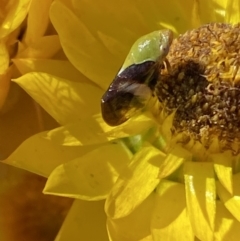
[[41, 156], [137, 124], [94, 130], [135, 226], [133, 23], [223, 169], [5, 81], [206, 11], [232, 11], [15, 15], [165, 129], [45, 47], [231, 202], [91, 176], [60, 68], [167, 16], [170, 219], [201, 195], [227, 227], [174, 159], [4, 58], [135, 183], [37, 21], [143, 17], [139, 17], [85, 221], [64, 100], [86, 132], [82, 49]]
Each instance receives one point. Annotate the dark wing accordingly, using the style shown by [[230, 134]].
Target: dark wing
[[129, 92]]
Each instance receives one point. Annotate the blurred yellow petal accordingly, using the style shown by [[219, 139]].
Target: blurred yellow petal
[[232, 11], [164, 15], [64, 100], [16, 12], [4, 58], [103, 26], [206, 11], [5, 80], [85, 221], [43, 48], [135, 226], [38, 20], [41, 156], [130, 26], [227, 227], [81, 48], [223, 169], [147, 17], [221, 4], [231, 202], [170, 219], [5, 73], [174, 160], [60, 68], [14, 19], [91, 176], [135, 183], [201, 198]]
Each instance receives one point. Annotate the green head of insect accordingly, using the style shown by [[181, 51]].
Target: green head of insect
[[151, 47]]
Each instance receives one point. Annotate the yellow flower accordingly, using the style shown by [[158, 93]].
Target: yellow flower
[[155, 188], [23, 42], [9, 29], [27, 42]]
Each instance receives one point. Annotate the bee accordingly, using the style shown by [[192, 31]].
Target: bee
[[135, 82]]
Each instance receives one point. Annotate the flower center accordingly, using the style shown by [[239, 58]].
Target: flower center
[[201, 84]]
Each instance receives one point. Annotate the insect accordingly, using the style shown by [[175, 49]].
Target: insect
[[134, 84]]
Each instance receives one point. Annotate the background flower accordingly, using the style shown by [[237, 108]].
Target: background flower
[[26, 36]]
